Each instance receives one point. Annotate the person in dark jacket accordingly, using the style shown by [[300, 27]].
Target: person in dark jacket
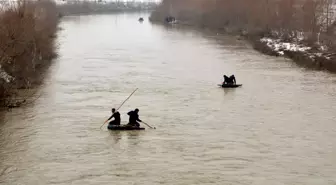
[[116, 116], [134, 118], [229, 80]]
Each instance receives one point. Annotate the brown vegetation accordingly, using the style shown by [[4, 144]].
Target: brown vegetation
[[27, 32], [284, 16]]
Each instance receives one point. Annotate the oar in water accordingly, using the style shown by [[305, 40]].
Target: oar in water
[[121, 105], [148, 125]]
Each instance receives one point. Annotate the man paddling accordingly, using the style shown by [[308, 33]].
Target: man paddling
[[134, 118], [229, 80], [116, 116]]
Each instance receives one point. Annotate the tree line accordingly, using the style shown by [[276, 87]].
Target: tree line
[[75, 7], [311, 20]]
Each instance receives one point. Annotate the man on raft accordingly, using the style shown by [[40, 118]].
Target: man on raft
[[116, 116], [229, 80], [134, 118]]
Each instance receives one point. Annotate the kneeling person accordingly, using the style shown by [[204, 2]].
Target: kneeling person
[[116, 116], [134, 118]]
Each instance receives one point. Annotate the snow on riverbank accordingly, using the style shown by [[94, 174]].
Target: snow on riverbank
[[5, 76], [281, 47], [278, 46]]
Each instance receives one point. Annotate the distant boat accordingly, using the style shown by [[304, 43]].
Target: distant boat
[[170, 20], [141, 19]]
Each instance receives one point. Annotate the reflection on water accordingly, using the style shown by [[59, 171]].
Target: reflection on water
[[278, 128]]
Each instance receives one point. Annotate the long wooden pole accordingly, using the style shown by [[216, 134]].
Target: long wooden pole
[[121, 105], [148, 125], [127, 98]]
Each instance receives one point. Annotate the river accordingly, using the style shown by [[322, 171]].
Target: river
[[278, 128]]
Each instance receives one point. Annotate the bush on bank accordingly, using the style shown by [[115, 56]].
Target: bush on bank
[[27, 34]]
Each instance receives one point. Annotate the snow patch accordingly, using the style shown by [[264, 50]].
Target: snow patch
[[323, 48], [5, 76], [300, 36], [280, 47]]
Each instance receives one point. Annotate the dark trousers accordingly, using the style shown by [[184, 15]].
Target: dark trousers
[[134, 124], [114, 122]]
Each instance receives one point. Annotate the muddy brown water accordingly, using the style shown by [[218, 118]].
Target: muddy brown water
[[278, 128]]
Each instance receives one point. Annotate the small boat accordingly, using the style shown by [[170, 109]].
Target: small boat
[[170, 20], [124, 127], [229, 85], [141, 19]]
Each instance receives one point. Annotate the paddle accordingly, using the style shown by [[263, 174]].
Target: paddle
[[148, 125], [121, 105]]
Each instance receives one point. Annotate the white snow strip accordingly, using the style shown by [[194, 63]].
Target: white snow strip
[[278, 46], [5, 76]]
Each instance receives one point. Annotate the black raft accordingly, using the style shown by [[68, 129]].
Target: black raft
[[229, 85], [124, 127]]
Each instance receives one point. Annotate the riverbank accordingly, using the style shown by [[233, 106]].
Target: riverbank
[[27, 48], [268, 32], [317, 57]]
